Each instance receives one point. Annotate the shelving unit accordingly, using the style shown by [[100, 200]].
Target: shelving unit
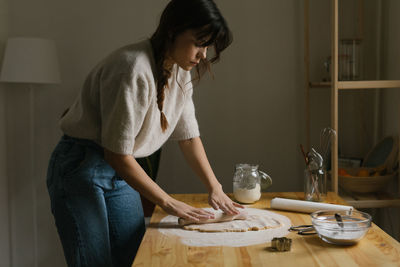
[[376, 200]]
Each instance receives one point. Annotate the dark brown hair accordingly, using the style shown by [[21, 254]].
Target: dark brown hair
[[211, 29]]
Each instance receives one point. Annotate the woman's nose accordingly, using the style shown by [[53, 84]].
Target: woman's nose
[[202, 53]]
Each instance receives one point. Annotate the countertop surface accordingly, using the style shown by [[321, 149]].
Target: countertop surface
[[377, 248]]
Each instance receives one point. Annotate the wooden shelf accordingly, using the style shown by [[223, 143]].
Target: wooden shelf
[[377, 200], [368, 84], [358, 84], [370, 200]]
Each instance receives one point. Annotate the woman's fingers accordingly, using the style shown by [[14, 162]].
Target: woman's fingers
[[208, 213], [214, 205], [185, 211], [238, 205], [204, 214], [230, 209], [226, 209], [203, 211], [200, 217], [198, 214], [190, 217], [188, 212], [219, 200]]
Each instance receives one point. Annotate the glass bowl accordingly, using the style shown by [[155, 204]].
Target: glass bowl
[[344, 227]]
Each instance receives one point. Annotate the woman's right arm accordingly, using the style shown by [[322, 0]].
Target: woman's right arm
[[127, 167]]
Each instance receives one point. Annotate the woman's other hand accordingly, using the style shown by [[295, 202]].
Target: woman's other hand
[[185, 211], [219, 200]]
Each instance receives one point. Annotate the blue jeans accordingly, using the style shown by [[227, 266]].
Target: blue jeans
[[99, 217]]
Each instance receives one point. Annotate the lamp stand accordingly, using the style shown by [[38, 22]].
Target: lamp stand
[[32, 168]]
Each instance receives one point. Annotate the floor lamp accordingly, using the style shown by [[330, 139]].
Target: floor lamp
[[30, 61]]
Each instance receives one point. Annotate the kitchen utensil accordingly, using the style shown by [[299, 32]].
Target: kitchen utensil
[[304, 206], [339, 219], [326, 136], [314, 185], [306, 229], [315, 160], [314, 177], [281, 243]]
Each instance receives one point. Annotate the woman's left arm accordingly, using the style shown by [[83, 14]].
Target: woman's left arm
[[195, 155]]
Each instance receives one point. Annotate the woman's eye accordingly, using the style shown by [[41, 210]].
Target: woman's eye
[[200, 43]]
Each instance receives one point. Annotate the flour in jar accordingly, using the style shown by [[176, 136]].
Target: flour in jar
[[245, 195]]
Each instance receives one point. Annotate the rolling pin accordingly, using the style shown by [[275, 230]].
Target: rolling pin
[[304, 206]]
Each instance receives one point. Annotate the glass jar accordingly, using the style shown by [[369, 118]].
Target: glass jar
[[315, 184], [350, 59], [248, 182]]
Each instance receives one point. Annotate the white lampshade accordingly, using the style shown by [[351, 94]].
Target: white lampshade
[[30, 60]]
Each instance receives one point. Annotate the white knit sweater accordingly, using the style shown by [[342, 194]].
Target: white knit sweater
[[117, 106]]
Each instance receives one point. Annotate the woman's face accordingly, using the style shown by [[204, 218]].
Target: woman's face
[[186, 51]]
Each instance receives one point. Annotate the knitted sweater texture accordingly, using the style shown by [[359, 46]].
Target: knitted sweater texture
[[117, 106]]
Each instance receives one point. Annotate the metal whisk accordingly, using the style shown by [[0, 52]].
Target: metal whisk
[[326, 136]]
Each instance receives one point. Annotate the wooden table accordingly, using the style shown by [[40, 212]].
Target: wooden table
[[376, 249]]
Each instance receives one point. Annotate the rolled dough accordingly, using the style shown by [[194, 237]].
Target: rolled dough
[[218, 217], [249, 223], [169, 226]]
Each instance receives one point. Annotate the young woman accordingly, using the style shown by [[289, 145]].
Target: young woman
[[130, 104]]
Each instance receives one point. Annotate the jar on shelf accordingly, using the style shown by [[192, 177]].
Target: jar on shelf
[[350, 59]]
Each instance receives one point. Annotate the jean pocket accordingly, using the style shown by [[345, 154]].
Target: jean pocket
[[73, 160], [57, 158]]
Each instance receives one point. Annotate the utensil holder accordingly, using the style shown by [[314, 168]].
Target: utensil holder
[[315, 185]]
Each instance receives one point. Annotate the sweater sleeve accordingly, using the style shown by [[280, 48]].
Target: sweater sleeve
[[124, 99], [187, 126]]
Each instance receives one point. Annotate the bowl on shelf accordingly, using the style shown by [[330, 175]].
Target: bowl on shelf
[[363, 180], [378, 168], [345, 227]]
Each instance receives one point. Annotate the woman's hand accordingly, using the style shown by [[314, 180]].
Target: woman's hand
[[195, 154], [219, 200], [185, 211]]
